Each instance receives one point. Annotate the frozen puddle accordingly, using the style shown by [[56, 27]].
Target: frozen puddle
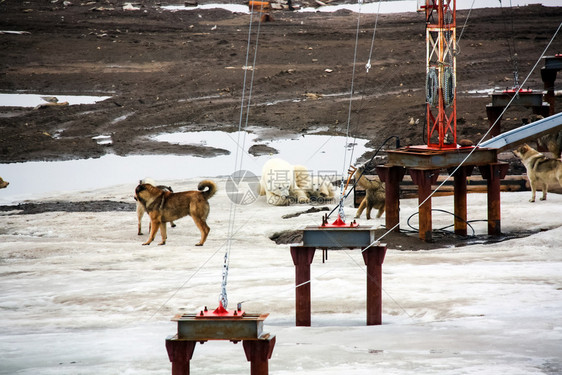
[[33, 180], [316, 152], [33, 100], [103, 139], [14, 32]]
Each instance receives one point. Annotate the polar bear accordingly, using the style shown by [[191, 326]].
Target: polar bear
[[278, 183], [321, 188], [302, 177]]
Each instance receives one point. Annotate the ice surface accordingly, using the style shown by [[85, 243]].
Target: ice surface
[[80, 295]]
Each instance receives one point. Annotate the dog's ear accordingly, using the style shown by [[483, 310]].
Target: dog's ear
[[170, 188], [140, 188]]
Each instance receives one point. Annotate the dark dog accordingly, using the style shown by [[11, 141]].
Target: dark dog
[[164, 206], [140, 207], [552, 142]]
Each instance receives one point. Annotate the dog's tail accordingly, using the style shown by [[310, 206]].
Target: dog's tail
[[211, 188]]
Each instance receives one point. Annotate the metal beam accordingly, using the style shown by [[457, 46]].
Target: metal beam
[[523, 98], [553, 62], [423, 158], [524, 133]]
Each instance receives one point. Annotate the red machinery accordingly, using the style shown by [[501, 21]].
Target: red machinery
[[263, 7]]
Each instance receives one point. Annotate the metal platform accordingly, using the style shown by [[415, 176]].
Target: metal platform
[[338, 238], [525, 98], [220, 324], [424, 165], [422, 157], [196, 327]]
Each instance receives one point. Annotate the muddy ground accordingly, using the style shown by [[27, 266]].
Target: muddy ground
[[167, 71]]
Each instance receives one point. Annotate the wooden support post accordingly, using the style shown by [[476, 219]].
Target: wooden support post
[[424, 179], [460, 200], [180, 353], [494, 113], [493, 173], [302, 258], [374, 257], [391, 176], [258, 353]]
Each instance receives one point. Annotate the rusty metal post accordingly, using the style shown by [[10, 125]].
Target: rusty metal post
[[258, 353], [494, 113], [543, 110], [302, 258], [460, 201], [180, 353], [548, 77], [374, 257], [493, 173], [424, 179], [391, 176]]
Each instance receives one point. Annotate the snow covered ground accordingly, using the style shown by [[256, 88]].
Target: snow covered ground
[[374, 7], [80, 295]]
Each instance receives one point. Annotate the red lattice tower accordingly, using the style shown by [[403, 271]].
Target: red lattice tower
[[440, 16]]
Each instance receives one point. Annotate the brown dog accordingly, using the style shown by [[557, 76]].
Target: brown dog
[[3, 183], [541, 171], [140, 207], [164, 206], [375, 196]]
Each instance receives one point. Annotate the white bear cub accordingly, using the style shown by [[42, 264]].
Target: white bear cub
[[279, 185]]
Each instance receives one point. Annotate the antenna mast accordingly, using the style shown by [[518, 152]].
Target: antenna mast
[[441, 102]]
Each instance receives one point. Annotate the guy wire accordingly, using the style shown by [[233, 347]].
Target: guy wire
[[238, 164], [465, 22], [352, 89]]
